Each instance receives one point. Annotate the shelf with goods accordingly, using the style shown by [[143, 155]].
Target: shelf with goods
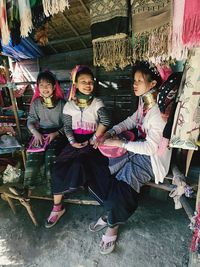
[[11, 117]]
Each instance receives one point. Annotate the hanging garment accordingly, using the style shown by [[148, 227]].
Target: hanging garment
[[19, 76], [186, 124], [13, 21], [109, 28], [191, 22], [52, 7], [5, 33], [25, 17], [178, 50], [151, 24]]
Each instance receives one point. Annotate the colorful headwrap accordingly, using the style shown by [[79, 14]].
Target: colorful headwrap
[[73, 79], [57, 93]]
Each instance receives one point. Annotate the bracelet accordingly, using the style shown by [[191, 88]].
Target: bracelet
[[94, 137], [111, 132], [60, 132], [33, 130], [124, 143]]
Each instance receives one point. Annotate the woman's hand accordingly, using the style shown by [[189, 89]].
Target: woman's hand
[[52, 136], [79, 145], [101, 139], [113, 142], [38, 138]]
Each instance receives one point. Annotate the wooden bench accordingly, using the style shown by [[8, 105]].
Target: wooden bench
[[82, 198]]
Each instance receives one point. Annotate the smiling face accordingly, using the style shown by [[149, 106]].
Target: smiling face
[[85, 84], [141, 84], [46, 88]]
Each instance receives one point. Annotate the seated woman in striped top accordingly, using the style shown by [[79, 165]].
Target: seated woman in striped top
[[85, 119], [46, 126]]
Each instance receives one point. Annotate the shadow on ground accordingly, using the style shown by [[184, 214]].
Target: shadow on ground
[[155, 236]]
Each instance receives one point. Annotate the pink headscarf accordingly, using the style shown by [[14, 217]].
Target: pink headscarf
[[58, 93], [73, 79]]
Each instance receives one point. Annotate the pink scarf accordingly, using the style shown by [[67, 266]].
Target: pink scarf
[[178, 50], [191, 23]]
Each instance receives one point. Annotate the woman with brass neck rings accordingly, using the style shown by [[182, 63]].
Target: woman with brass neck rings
[[117, 187]]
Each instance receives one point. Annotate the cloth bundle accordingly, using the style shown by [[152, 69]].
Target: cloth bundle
[[151, 26], [11, 174], [109, 28]]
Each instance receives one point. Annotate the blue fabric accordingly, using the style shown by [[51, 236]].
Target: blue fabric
[[27, 49]]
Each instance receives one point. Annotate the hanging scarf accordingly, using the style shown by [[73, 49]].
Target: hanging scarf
[[5, 34], [38, 16], [191, 22], [25, 17], [109, 28], [179, 51], [52, 7], [13, 21], [82, 100], [151, 28]]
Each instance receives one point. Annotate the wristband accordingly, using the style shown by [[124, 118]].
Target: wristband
[[111, 132], [124, 143], [60, 132], [33, 130]]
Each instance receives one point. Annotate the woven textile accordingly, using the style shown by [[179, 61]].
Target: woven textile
[[151, 24], [109, 28], [185, 129]]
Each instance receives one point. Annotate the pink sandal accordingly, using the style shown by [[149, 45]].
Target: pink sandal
[[98, 226], [107, 244], [54, 217]]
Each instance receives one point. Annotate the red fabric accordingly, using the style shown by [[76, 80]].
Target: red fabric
[[195, 244], [57, 92], [191, 23]]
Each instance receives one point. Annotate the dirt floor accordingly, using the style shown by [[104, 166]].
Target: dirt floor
[[155, 236]]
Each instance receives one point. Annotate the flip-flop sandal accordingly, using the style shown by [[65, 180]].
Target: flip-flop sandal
[[107, 244], [98, 226], [54, 218]]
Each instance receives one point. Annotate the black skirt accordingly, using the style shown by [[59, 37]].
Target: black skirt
[[70, 171], [118, 198]]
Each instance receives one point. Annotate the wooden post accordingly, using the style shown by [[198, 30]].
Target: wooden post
[[14, 106]]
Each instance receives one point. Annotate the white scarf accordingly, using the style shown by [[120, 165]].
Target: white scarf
[[25, 17]]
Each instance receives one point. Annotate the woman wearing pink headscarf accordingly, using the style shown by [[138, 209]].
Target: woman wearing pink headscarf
[[46, 125]]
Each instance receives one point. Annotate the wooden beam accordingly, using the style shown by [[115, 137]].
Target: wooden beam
[[70, 39], [85, 7], [73, 29]]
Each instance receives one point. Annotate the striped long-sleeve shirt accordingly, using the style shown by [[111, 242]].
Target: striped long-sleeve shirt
[[84, 120]]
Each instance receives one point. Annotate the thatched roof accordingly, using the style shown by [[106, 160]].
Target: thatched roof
[[70, 30]]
